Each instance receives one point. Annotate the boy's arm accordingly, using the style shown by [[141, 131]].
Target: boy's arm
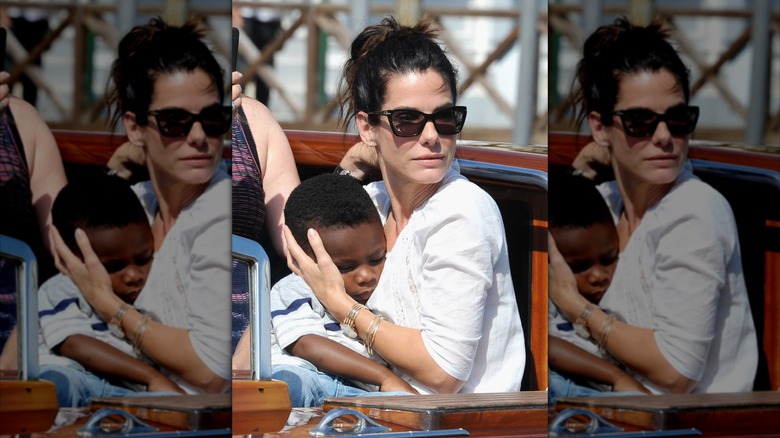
[[106, 360], [569, 359], [331, 357]]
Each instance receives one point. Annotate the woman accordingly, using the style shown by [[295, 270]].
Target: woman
[[168, 93], [683, 319], [444, 314], [31, 175], [263, 175]]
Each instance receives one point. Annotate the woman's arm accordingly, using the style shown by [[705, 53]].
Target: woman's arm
[[633, 346], [571, 360], [47, 173], [167, 346], [401, 346], [106, 360], [331, 357], [280, 175]]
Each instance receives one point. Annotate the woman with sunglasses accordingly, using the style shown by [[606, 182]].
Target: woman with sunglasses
[[168, 92], [444, 314], [678, 313]]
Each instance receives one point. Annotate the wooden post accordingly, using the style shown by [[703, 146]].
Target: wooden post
[[408, 12]]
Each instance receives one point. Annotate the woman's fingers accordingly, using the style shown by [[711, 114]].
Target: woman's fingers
[[294, 251], [236, 90], [91, 259], [319, 249], [59, 246]]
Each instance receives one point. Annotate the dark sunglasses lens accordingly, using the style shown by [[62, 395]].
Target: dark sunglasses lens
[[449, 121], [407, 123], [639, 123], [215, 120], [174, 123], [682, 121]]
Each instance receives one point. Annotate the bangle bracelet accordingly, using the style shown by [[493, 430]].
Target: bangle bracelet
[[348, 325], [138, 333], [606, 327], [115, 325], [371, 334], [581, 323]]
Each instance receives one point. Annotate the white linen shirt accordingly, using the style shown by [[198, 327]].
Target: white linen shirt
[[448, 275], [189, 284], [681, 275]]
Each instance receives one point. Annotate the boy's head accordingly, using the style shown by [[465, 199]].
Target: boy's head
[[584, 232], [112, 217], [343, 214]]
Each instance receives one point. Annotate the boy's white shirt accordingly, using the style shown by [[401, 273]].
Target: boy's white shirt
[[295, 312]]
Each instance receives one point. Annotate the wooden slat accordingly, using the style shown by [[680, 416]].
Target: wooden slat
[[259, 406], [520, 411], [757, 412], [185, 412], [564, 147], [26, 406]]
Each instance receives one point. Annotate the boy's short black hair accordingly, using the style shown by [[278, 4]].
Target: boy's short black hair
[[95, 201], [574, 202], [326, 201]]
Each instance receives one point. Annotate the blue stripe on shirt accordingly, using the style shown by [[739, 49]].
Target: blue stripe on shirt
[[332, 327], [295, 305], [62, 305], [100, 326]]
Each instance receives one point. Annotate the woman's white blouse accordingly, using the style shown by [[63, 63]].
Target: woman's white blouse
[[448, 275]]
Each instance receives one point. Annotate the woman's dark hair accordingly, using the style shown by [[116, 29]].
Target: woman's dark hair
[[153, 49], [615, 50], [384, 50], [328, 201]]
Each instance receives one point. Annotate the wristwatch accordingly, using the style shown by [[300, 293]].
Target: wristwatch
[[348, 326], [581, 324], [115, 325]]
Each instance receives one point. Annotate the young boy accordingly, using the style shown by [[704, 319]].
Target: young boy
[[585, 234], [312, 352], [82, 354]]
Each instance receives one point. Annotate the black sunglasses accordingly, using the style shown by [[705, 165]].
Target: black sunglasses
[[176, 122], [680, 120], [410, 123]]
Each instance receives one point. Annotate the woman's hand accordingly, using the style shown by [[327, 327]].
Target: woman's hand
[[393, 383], [562, 286], [362, 162], [89, 275], [594, 162], [5, 91], [159, 382], [129, 162], [236, 90], [322, 276], [624, 382]]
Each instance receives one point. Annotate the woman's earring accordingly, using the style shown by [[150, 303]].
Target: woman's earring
[[371, 144]]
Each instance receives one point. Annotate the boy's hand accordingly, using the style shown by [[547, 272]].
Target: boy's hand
[[394, 383], [624, 382], [159, 382]]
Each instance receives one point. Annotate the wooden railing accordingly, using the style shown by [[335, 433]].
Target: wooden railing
[[564, 23]]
